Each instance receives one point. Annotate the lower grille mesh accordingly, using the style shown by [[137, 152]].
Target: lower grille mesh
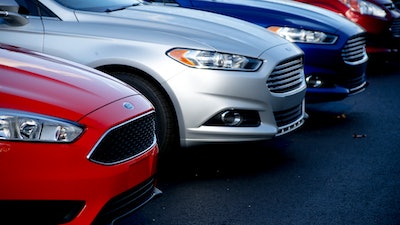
[[126, 202], [126, 141], [286, 117]]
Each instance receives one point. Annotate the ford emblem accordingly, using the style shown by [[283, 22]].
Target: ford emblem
[[128, 105]]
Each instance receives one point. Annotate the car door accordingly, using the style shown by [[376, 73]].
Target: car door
[[31, 34]]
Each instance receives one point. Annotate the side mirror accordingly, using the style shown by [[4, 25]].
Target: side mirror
[[9, 13]]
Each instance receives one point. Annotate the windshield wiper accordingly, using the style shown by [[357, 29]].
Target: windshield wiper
[[117, 8]]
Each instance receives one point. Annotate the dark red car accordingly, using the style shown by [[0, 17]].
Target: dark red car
[[380, 18], [76, 146]]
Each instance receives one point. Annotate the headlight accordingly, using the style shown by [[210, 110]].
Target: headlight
[[21, 126], [214, 60], [304, 36], [365, 8]]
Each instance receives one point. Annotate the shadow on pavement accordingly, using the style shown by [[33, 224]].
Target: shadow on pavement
[[223, 161]]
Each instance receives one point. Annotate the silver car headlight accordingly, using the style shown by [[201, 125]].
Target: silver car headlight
[[22, 126], [304, 36], [214, 60], [365, 8]]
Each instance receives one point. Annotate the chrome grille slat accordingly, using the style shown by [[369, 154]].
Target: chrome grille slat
[[359, 53], [286, 73], [354, 51], [283, 86], [288, 64], [395, 28], [286, 76], [349, 50], [354, 43]]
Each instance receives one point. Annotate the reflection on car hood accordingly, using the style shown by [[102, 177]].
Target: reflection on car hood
[[177, 27], [67, 90], [283, 12]]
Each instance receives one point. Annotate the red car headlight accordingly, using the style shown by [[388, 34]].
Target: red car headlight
[[23, 126], [365, 8]]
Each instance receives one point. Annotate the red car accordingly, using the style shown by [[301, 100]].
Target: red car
[[76, 146], [380, 18]]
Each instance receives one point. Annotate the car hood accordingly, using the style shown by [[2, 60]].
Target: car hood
[[381, 2], [282, 12], [42, 84], [180, 27]]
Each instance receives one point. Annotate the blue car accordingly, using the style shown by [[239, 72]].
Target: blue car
[[335, 56]]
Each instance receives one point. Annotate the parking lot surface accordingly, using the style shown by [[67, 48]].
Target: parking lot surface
[[341, 167]]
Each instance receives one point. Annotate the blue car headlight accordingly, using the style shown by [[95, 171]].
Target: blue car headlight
[[22, 126], [304, 36], [214, 60]]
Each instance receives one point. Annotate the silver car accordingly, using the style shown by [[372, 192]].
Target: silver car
[[210, 77]]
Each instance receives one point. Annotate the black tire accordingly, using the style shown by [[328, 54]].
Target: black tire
[[166, 123]]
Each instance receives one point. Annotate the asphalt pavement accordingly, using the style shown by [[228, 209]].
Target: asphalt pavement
[[341, 167]]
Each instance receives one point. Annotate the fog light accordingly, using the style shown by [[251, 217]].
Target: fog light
[[314, 81], [235, 118], [231, 118]]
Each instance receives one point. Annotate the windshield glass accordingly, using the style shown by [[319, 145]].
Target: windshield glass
[[98, 6]]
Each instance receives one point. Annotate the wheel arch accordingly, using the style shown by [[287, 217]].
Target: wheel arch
[[112, 68]]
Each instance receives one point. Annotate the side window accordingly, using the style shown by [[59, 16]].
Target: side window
[[28, 7], [33, 8], [44, 11]]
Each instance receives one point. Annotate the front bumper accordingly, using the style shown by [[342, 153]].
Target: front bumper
[[55, 183], [199, 95], [336, 72]]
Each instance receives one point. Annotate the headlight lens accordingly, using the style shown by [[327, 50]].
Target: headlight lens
[[365, 8], [21, 126], [214, 60], [304, 36]]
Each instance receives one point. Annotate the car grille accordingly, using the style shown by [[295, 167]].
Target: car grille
[[125, 141], [289, 119], [286, 76], [395, 28], [127, 202], [390, 6], [354, 51]]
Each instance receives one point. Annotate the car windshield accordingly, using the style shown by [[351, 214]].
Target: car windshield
[[99, 6]]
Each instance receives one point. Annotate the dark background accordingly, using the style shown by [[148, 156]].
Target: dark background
[[341, 167]]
